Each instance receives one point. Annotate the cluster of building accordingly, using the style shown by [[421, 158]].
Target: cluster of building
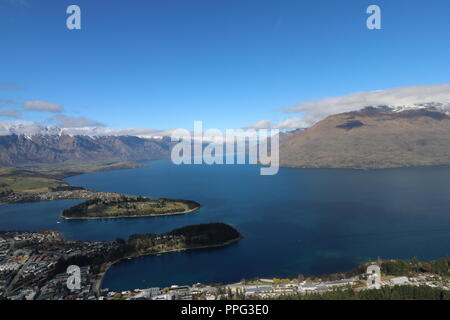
[[268, 288], [33, 266], [175, 292], [263, 288], [17, 197]]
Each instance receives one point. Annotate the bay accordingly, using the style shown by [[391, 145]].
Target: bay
[[300, 221]]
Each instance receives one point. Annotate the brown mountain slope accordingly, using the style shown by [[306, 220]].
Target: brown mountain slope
[[371, 138]]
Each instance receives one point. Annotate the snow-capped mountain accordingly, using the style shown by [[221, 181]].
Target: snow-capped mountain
[[29, 129], [52, 145], [439, 106]]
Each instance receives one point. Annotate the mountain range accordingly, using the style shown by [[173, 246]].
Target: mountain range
[[373, 137], [17, 150]]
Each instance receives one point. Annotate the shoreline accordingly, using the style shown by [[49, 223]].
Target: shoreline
[[132, 216], [108, 265], [423, 166]]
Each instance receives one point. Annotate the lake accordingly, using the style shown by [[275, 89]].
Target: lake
[[301, 221]]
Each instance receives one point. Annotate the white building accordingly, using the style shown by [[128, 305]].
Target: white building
[[373, 277], [399, 281]]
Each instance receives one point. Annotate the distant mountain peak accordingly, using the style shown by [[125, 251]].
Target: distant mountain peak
[[29, 129], [438, 112], [432, 106]]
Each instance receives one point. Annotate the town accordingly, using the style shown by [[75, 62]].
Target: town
[[60, 193], [33, 266]]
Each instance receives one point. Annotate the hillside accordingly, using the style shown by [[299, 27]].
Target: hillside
[[371, 138], [19, 150], [202, 235]]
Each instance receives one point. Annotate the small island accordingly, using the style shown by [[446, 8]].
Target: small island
[[124, 206]]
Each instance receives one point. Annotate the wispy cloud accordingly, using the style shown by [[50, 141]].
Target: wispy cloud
[[263, 124], [10, 113], [6, 103], [42, 106], [288, 124], [64, 121], [314, 110], [7, 109]]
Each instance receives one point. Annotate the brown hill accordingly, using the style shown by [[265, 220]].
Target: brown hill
[[371, 138]]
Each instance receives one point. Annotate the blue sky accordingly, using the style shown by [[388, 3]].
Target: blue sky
[[231, 63]]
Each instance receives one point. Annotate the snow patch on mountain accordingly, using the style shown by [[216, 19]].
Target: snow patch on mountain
[[29, 129]]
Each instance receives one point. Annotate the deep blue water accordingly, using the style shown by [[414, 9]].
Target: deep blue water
[[309, 221]]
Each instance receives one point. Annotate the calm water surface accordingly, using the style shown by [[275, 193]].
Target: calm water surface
[[308, 221]]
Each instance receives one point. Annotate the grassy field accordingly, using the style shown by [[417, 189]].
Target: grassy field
[[42, 178], [19, 180], [67, 169]]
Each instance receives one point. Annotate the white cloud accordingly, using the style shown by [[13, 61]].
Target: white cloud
[[314, 110], [42, 106], [140, 132], [263, 124], [7, 109], [293, 123], [64, 121], [288, 124], [103, 131], [309, 112], [6, 103], [9, 113], [20, 127]]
